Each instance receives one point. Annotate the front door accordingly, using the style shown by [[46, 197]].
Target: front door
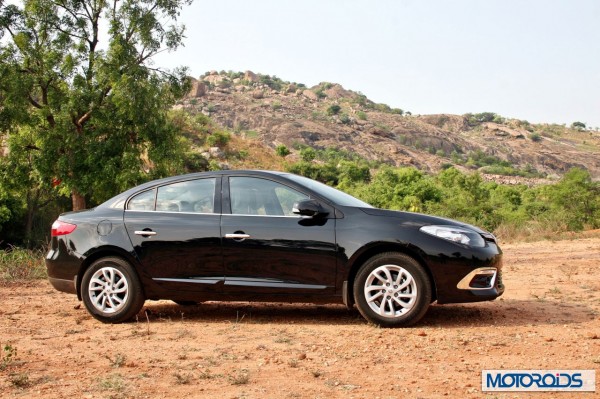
[[269, 250]]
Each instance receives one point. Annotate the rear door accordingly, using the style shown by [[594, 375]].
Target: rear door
[[175, 231]]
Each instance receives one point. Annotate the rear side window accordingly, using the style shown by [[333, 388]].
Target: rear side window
[[193, 196], [143, 201]]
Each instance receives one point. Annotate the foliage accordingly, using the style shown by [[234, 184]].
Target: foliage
[[478, 119], [218, 138], [345, 119], [383, 108], [320, 93], [282, 151], [491, 164], [333, 109], [8, 355], [535, 137], [578, 126], [272, 82], [21, 264], [308, 154], [96, 117]]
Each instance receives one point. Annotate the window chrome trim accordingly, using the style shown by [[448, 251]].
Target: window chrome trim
[[171, 212], [263, 216]]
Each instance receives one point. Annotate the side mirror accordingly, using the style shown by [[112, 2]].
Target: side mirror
[[309, 207]]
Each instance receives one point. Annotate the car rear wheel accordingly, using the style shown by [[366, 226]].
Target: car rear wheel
[[111, 290], [392, 290]]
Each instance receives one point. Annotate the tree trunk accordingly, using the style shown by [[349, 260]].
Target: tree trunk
[[32, 202], [78, 201]]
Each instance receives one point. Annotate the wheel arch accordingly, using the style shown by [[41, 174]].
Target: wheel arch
[[373, 249], [104, 252]]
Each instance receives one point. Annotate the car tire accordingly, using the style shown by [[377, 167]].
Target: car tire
[[111, 290], [392, 290]]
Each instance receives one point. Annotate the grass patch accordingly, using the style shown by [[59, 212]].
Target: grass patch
[[22, 264], [241, 377], [8, 355], [113, 382], [20, 380]]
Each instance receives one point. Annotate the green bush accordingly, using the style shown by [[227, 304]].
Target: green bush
[[478, 119], [308, 154], [345, 119], [282, 151], [361, 115], [333, 109], [383, 108], [218, 139]]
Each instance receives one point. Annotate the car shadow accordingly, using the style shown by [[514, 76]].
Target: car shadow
[[255, 312], [510, 312]]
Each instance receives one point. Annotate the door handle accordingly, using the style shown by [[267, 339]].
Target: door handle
[[237, 236], [145, 233]]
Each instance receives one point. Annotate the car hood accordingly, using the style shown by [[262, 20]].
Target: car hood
[[420, 218]]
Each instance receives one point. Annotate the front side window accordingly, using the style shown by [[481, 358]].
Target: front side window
[[193, 196], [255, 196]]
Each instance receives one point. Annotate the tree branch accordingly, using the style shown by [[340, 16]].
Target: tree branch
[[33, 102]]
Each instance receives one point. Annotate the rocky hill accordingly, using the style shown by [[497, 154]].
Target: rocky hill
[[272, 112]]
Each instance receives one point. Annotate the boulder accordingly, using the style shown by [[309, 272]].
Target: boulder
[[198, 89], [310, 95], [291, 88], [216, 152], [251, 76], [214, 79]]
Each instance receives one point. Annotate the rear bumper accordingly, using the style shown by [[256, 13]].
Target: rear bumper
[[67, 286], [63, 268]]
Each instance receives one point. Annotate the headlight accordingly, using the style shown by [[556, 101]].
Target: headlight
[[455, 234]]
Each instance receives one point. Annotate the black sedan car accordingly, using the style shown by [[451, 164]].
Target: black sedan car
[[266, 236]]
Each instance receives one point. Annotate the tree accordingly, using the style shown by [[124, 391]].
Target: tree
[[77, 74], [578, 126]]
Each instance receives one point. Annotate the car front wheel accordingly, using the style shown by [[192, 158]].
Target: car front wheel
[[111, 290], [392, 290]]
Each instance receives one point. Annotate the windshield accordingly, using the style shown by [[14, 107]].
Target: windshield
[[336, 196]]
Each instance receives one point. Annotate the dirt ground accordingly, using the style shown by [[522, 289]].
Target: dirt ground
[[548, 318]]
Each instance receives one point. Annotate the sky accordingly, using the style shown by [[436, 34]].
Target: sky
[[537, 60]]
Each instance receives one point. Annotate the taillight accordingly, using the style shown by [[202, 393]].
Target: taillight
[[60, 228]]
